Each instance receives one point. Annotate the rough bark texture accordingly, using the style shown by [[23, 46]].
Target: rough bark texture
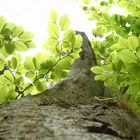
[[68, 111]]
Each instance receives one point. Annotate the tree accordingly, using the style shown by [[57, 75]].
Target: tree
[[118, 52], [74, 96]]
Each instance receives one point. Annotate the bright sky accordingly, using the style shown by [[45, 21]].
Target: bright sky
[[33, 15]]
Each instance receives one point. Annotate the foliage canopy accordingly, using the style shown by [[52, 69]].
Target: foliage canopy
[[34, 74], [116, 42]]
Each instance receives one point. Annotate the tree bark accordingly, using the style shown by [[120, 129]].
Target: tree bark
[[69, 111]]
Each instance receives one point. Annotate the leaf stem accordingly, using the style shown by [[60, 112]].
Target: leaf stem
[[16, 87], [61, 58]]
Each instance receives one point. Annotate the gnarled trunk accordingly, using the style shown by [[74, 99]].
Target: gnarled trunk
[[69, 111]]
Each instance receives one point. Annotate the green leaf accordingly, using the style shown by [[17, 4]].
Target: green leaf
[[58, 50], [133, 42], [123, 42], [97, 69], [3, 52], [94, 16], [5, 80], [2, 23], [17, 31], [64, 64], [38, 59], [66, 46], [117, 47], [106, 17], [69, 36], [53, 16], [28, 63], [127, 56], [23, 86], [78, 42], [75, 55], [30, 44], [61, 69], [26, 36], [7, 33], [21, 68], [86, 1], [18, 58], [1, 42], [10, 26], [11, 95], [64, 22], [29, 90], [134, 69], [100, 31], [3, 94], [117, 65], [18, 74], [42, 72], [123, 4], [48, 64], [41, 85], [20, 81], [107, 69], [43, 60], [30, 74], [55, 50], [58, 74], [103, 3], [35, 63], [10, 47], [13, 63], [8, 75], [101, 77], [53, 30], [2, 63], [20, 46], [34, 91], [138, 52], [51, 41]]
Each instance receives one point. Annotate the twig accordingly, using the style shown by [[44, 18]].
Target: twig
[[21, 92]]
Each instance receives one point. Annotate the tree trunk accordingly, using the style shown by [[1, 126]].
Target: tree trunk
[[69, 111]]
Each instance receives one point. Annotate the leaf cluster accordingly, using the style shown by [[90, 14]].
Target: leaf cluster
[[116, 42], [13, 38], [34, 74]]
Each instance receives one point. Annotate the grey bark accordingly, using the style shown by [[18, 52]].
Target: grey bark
[[69, 110]]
